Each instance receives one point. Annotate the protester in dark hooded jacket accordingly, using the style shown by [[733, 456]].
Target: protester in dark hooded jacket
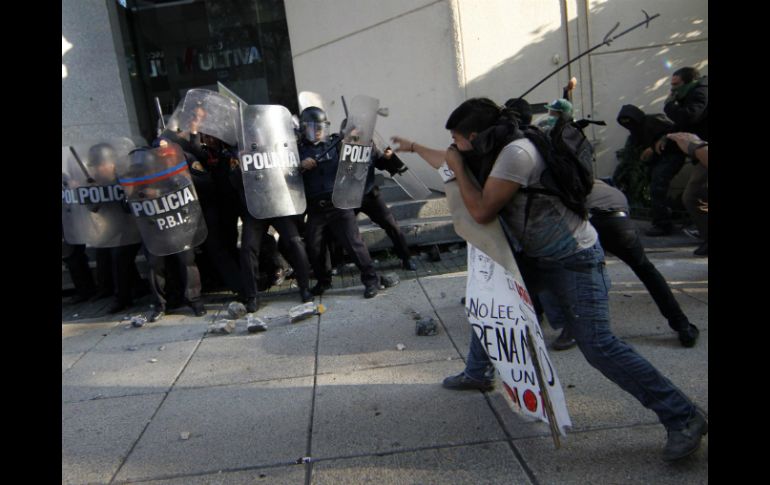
[[646, 130]]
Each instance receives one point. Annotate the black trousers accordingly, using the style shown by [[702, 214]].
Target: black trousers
[[104, 273], [80, 272], [251, 245], [662, 171], [342, 226], [619, 236], [125, 275], [216, 249], [374, 206], [188, 272]]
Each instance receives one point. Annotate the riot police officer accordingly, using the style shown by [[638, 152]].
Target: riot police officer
[[252, 238], [187, 269], [320, 158], [374, 206]]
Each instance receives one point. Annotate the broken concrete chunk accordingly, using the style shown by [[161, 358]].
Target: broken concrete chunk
[[306, 310], [427, 327], [222, 327], [400, 346], [236, 310], [138, 321], [255, 324], [389, 279]]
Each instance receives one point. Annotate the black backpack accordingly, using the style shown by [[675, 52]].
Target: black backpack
[[569, 158]]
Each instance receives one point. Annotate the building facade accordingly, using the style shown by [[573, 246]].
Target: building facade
[[421, 58]]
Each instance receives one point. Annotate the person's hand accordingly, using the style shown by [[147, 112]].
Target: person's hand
[[704, 206], [402, 144], [197, 166], [646, 154], [683, 140], [308, 164], [570, 86], [454, 159]]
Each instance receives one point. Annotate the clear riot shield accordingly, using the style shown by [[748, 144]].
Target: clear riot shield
[[355, 153], [207, 112], [93, 208], [162, 198], [405, 178], [270, 163]]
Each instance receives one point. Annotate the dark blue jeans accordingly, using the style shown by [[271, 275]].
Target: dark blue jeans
[[575, 290]]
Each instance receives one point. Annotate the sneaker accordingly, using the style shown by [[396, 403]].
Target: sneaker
[[564, 341], [656, 231], [461, 382], [371, 291], [409, 264], [320, 288], [252, 305], [198, 309], [686, 441], [691, 232], [157, 315], [689, 336], [703, 250], [305, 295]]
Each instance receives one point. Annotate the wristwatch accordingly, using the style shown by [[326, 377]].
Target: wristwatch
[[694, 146]]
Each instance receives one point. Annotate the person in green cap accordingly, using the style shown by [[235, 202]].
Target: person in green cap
[[558, 109]]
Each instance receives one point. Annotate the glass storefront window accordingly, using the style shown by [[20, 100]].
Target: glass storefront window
[[176, 45]]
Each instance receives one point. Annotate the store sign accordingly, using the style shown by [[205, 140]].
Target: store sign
[[205, 61]]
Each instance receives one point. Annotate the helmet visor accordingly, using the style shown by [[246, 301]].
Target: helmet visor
[[317, 131]]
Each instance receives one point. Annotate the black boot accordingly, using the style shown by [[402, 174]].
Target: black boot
[[305, 295]]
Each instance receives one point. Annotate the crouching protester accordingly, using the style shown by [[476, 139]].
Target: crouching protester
[[564, 261]]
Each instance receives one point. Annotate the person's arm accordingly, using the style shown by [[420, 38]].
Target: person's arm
[[485, 204], [690, 144], [433, 156]]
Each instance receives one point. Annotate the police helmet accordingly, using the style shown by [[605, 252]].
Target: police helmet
[[314, 124]]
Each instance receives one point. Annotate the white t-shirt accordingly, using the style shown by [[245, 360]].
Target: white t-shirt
[[552, 230]]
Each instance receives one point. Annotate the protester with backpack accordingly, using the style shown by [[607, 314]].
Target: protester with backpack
[[563, 249]]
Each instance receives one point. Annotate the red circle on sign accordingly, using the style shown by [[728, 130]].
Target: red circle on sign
[[530, 400]]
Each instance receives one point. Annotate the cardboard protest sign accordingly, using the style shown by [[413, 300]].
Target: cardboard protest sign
[[501, 314]]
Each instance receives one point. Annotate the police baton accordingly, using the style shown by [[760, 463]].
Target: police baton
[[160, 112], [89, 179]]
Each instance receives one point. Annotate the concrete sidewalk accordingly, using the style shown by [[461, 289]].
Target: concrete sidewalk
[[335, 391]]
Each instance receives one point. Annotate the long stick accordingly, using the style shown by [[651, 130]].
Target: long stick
[[543, 389], [605, 41]]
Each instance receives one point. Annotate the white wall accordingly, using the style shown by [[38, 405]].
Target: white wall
[[95, 101], [401, 52], [422, 58], [636, 69]]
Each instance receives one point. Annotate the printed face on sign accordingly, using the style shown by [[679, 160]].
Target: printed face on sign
[[484, 266]]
